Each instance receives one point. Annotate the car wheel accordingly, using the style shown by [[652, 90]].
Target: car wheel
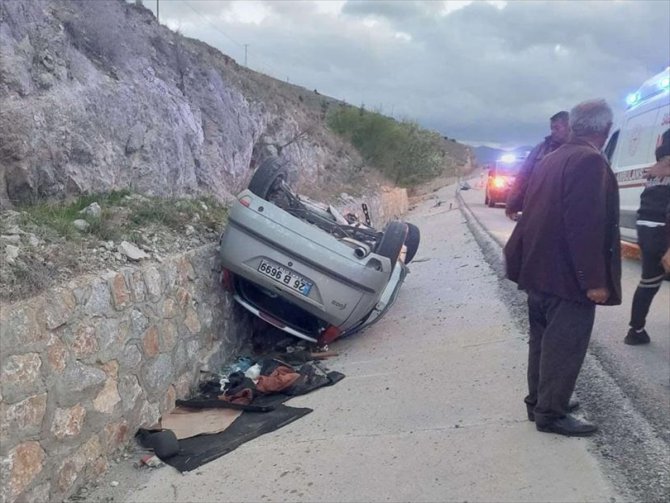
[[391, 242], [269, 174], [412, 242]]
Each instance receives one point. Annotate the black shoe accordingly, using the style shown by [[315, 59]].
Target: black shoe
[[569, 426], [573, 405], [634, 338]]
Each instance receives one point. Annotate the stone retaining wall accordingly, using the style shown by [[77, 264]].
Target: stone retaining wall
[[83, 366]]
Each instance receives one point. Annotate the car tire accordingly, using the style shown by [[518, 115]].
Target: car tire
[[265, 179], [392, 241], [412, 242]]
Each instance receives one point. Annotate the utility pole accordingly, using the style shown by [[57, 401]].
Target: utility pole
[[245, 54], [158, 18]]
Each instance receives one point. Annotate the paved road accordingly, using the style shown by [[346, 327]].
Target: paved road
[[628, 388], [430, 410], [643, 371]]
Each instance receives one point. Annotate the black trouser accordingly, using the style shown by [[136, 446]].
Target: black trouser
[[560, 331], [653, 245]]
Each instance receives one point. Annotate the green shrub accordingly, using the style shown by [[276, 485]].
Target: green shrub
[[403, 151], [123, 215]]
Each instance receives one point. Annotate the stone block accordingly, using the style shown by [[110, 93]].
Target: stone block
[[59, 305], [136, 284], [157, 374], [138, 323], [180, 358], [169, 275], [76, 464], [191, 321], [23, 463], [149, 415], [99, 302], [81, 294], [192, 347], [131, 357], [112, 334], [130, 391], [183, 298], [39, 494], [185, 272], [21, 377], [168, 402], [84, 342], [99, 466], [169, 308], [22, 419], [20, 330], [205, 315], [150, 341], [107, 398], [67, 475], [153, 283], [168, 336], [120, 294], [57, 354], [78, 380], [183, 385], [115, 435], [67, 423]]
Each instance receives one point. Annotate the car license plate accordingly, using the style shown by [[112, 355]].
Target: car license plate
[[285, 276]]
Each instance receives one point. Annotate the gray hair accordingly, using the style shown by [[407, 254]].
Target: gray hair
[[591, 117]]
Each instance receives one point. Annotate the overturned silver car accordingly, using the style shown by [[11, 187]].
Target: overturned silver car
[[305, 268]]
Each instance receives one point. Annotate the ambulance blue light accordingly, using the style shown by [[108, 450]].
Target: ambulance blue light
[[664, 83], [632, 98]]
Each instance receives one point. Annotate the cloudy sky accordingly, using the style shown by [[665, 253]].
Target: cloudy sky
[[481, 71]]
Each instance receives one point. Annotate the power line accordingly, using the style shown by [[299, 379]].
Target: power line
[[260, 57], [214, 27]]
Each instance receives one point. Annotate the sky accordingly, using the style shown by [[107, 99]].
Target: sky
[[483, 72]]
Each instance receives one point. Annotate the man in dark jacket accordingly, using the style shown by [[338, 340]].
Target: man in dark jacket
[[560, 130], [565, 253], [653, 236]]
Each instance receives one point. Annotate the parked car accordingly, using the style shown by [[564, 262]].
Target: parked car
[[306, 269], [500, 180]]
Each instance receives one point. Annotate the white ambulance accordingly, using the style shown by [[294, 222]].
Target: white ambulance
[[631, 147]]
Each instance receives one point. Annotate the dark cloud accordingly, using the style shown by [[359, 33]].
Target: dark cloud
[[478, 73]]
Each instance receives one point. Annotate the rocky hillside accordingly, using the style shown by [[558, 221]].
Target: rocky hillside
[[97, 96], [100, 103]]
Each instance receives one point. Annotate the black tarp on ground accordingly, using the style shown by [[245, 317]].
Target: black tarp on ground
[[265, 414], [196, 451]]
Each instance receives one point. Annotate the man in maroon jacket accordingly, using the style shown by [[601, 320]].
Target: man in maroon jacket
[[565, 253]]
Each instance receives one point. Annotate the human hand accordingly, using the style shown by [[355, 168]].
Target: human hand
[[598, 295], [660, 169], [665, 261], [512, 215]]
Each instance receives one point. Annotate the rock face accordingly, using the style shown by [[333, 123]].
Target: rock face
[[96, 96]]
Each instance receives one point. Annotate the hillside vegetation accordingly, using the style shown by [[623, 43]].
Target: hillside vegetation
[[403, 151]]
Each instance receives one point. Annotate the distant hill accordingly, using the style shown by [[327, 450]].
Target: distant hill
[[488, 155]]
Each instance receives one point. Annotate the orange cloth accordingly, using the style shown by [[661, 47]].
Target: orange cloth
[[243, 397], [280, 379]]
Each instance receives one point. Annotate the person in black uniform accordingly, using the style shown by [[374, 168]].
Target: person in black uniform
[[653, 237]]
